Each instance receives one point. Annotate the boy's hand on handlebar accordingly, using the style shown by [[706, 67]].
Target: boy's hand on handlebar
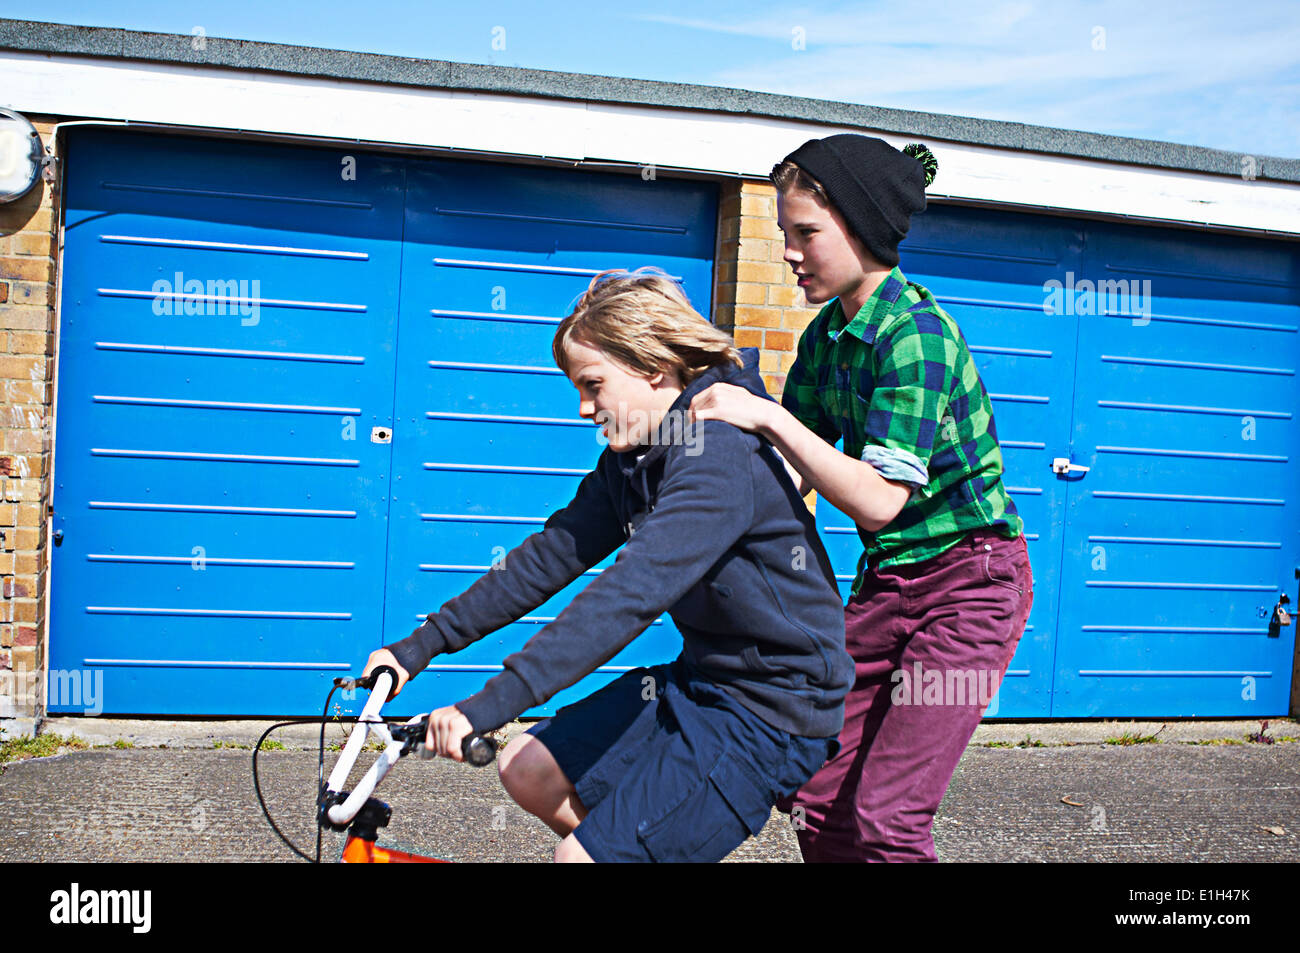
[[384, 657], [447, 729]]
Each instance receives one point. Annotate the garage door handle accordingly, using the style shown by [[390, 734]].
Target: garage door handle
[[1062, 465]]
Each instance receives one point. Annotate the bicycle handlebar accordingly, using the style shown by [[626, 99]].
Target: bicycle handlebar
[[399, 741], [474, 748], [478, 751]]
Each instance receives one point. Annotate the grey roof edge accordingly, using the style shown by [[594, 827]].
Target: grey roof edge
[[58, 38]]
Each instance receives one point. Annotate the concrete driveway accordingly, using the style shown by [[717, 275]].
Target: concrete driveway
[[1023, 792]]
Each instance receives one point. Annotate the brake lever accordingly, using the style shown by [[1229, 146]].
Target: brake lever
[[475, 749], [411, 735]]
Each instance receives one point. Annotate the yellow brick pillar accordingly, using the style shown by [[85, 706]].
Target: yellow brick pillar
[[28, 258], [757, 298]]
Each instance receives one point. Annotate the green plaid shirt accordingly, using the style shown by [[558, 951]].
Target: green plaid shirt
[[897, 384]]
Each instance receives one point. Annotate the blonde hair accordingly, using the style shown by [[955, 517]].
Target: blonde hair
[[643, 320]]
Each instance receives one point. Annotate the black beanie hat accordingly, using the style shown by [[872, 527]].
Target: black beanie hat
[[876, 187]]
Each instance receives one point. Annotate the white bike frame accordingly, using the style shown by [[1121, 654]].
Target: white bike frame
[[343, 813]]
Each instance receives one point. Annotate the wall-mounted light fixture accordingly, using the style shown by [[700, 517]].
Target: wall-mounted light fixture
[[21, 156]]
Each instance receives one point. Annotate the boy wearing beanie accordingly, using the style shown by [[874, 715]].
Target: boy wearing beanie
[[943, 588]]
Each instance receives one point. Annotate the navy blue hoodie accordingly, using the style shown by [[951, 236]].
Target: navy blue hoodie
[[714, 533]]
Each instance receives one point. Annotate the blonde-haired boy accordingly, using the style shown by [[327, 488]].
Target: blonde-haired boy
[[684, 760]]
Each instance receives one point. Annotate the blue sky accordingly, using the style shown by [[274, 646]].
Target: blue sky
[[1219, 74]]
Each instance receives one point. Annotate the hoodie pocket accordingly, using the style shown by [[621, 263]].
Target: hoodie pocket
[[755, 662]]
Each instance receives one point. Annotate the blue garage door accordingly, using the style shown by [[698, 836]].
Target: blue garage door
[[1185, 531], [1156, 568], [488, 441], [304, 394]]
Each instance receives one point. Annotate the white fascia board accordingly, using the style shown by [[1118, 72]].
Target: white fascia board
[[580, 130]]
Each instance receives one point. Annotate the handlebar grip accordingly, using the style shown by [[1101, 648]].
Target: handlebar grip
[[374, 676], [477, 750]]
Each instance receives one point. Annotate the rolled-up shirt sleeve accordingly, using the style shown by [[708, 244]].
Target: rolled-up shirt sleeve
[[897, 465]]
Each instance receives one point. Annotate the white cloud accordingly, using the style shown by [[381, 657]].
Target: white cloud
[[1191, 72]]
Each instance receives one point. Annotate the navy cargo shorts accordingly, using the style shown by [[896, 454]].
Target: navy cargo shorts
[[672, 768]]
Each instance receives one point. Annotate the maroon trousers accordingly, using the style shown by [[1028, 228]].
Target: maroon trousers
[[931, 641]]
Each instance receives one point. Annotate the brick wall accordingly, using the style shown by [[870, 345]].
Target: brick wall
[[756, 297], [27, 282]]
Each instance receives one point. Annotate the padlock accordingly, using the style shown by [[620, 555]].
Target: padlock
[[1280, 615]]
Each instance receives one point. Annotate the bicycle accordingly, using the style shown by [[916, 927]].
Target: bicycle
[[357, 812]]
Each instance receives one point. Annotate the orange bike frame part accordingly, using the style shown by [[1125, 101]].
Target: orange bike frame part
[[361, 851]]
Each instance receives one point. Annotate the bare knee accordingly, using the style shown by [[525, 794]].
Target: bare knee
[[529, 772], [531, 775], [571, 852]]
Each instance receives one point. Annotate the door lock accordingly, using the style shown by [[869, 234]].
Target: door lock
[[381, 435], [1280, 616], [1062, 465]]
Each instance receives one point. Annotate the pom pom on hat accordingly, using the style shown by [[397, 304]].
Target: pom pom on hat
[[922, 154]]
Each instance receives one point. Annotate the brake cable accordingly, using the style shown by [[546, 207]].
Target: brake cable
[[320, 775]]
